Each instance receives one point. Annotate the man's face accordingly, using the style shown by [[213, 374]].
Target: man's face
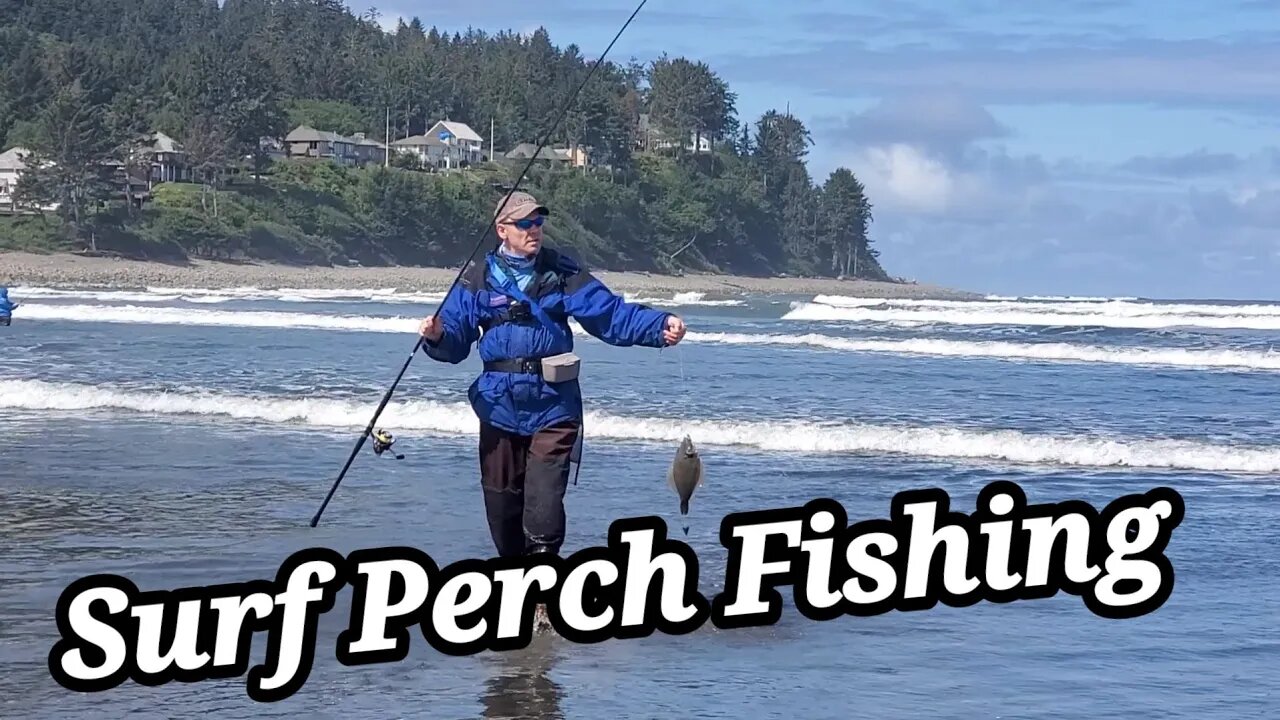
[[523, 236]]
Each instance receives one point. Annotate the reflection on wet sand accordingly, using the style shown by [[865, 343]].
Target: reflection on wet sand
[[519, 684]]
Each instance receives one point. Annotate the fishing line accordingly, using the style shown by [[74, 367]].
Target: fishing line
[[684, 383], [462, 268]]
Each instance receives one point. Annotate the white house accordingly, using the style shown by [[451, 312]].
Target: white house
[[459, 135], [11, 166], [432, 152], [652, 137]]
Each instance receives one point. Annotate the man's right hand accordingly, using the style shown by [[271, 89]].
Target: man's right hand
[[431, 328]]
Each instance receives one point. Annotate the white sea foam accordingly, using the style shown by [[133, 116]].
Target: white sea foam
[[1254, 317], [431, 417], [132, 314], [682, 299], [1059, 298], [205, 295], [305, 295], [1176, 357], [1099, 306]]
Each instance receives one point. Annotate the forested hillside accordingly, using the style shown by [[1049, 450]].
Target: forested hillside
[[85, 84]]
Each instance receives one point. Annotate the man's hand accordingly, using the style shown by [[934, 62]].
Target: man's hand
[[675, 330], [432, 329]]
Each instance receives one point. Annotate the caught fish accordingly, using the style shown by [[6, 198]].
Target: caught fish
[[685, 474]]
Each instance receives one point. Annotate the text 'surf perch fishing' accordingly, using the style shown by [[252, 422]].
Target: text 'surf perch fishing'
[[685, 474]]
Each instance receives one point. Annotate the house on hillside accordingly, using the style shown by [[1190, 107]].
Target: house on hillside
[[575, 157], [653, 137], [369, 151], [307, 142], [525, 150], [168, 160], [434, 152], [161, 160], [12, 163], [431, 153], [470, 146]]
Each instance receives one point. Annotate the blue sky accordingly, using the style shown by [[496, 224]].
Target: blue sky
[[1099, 147]]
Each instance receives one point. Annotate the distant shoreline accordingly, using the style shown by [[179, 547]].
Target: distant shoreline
[[71, 270]]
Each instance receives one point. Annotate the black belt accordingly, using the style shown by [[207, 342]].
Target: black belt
[[515, 365]]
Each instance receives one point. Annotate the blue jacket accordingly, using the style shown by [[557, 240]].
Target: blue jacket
[[524, 403], [6, 305]]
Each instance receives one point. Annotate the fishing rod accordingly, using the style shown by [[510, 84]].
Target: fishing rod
[[479, 242]]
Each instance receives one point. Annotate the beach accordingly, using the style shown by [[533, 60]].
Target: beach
[[71, 270]]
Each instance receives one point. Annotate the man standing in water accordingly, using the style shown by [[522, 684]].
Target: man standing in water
[[527, 398], [6, 307]]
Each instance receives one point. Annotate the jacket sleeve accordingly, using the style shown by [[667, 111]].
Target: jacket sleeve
[[610, 318], [460, 330]]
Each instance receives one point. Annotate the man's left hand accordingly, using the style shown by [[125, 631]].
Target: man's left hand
[[674, 332]]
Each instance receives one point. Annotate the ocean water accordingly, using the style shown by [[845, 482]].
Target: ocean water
[[185, 437]]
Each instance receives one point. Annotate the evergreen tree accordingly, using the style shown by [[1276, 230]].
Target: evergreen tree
[[85, 91]]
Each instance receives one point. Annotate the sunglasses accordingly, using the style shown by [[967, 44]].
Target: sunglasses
[[526, 223]]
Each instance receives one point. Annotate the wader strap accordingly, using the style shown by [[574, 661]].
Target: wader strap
[[515, 365], [509, 284]]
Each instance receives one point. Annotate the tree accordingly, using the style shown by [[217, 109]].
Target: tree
[[688, 100], [210, 147], [845, 214], [125, 124], [69, 156], [87, 91], [781, 144]]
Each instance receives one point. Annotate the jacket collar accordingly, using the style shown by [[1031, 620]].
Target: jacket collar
[[544, 271]]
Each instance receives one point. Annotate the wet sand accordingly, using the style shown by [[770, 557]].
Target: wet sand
[[69, 270]]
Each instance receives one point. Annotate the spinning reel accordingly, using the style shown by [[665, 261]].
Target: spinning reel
[[382, 442]]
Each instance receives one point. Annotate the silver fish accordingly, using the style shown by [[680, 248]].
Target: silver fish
[[685, 474]]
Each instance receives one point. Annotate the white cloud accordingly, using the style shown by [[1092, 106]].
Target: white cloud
[[905, 177], [903, 174]]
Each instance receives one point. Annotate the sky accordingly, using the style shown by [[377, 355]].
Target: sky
[[1075, 147]]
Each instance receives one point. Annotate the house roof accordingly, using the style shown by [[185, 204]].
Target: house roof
[[524, 151], [366, 141], [411, 141], [418, 141], [11, 159], [306, 133], [165, 144], [460, 130]]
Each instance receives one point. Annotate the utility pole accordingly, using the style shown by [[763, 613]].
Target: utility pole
[[386, 151], [491, 151]]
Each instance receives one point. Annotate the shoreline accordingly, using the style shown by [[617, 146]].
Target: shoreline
[[69, 270]]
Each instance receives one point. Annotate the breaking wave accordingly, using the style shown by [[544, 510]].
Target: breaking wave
[[1059, 298], [1118, 314], [1173, 357], [307, 295], [205, 296], [425, 416], [683, 299], [1099, 306], [231, 318], [1176, 357]]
